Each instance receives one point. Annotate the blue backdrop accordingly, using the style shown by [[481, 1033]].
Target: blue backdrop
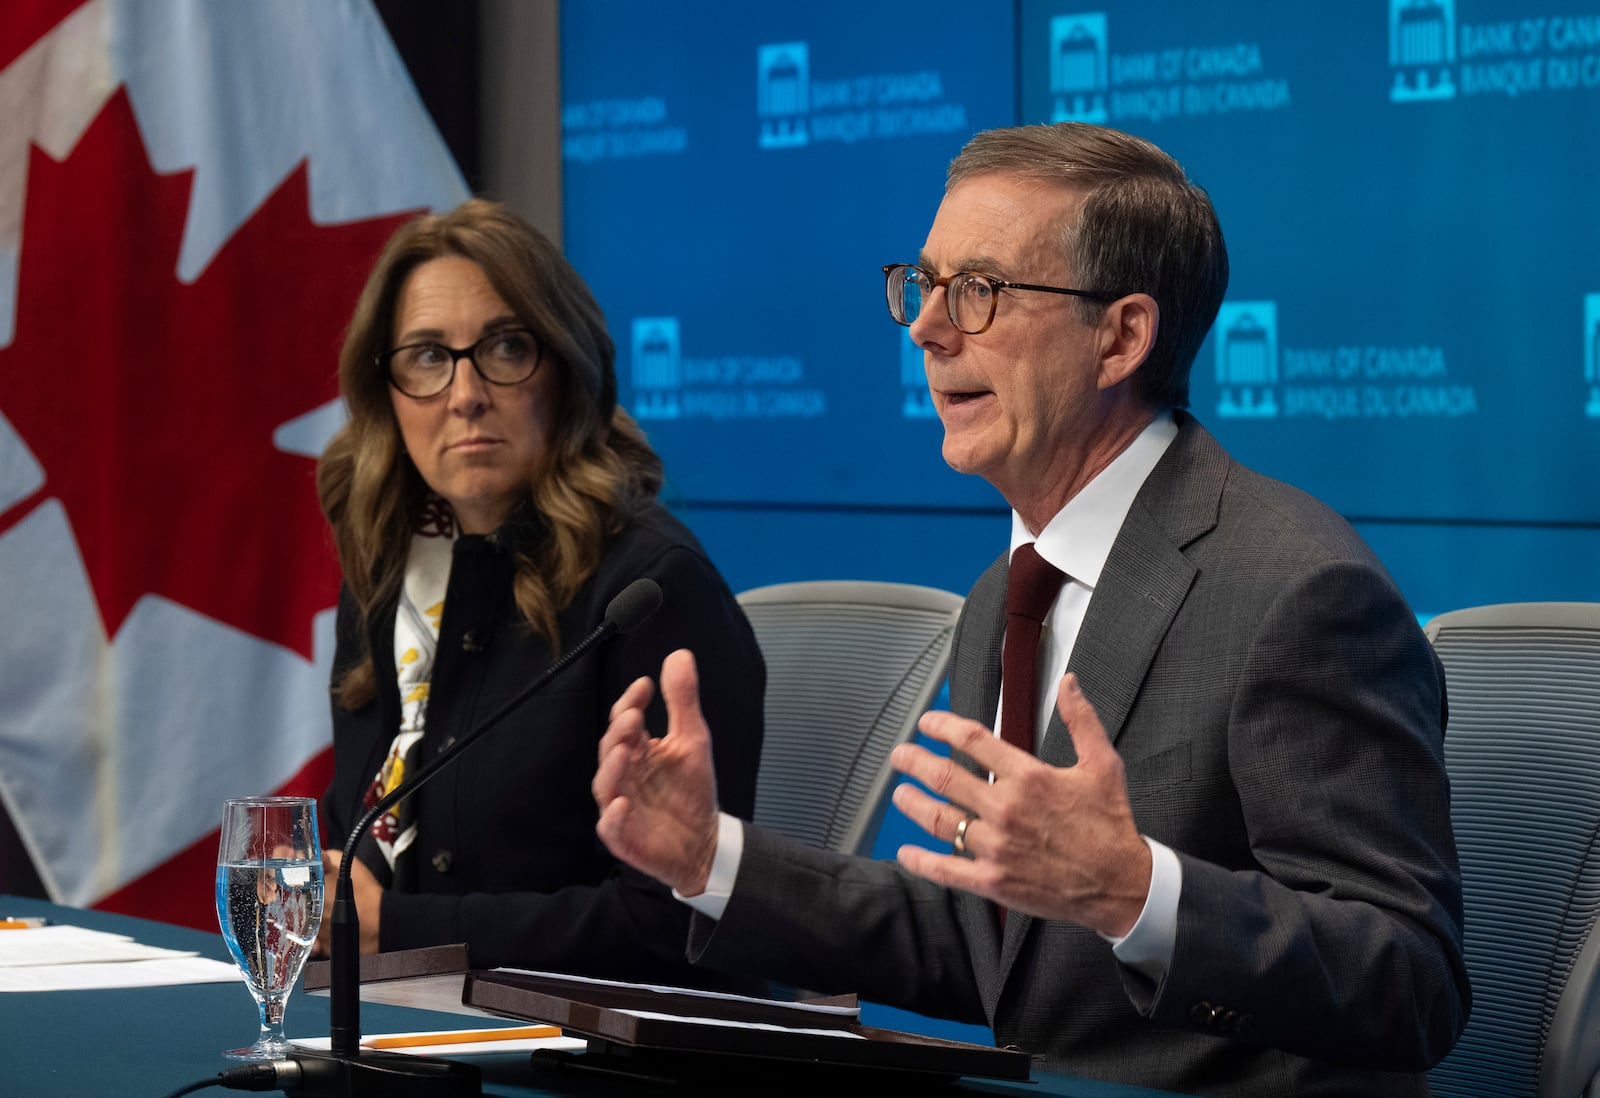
[[1412, 330], [1410, 333]]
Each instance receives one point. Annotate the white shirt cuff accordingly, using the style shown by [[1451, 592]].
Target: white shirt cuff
[[724, 869], [1147, 948]]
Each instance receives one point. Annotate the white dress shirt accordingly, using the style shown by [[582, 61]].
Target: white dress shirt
[[1077, 541]]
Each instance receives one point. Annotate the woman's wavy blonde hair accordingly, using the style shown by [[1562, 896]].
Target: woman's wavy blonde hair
[[596, 474]]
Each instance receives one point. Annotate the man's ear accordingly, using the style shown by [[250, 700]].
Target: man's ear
[[1127, 335]]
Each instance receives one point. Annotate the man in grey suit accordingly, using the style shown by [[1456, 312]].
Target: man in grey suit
[[1228, 869]]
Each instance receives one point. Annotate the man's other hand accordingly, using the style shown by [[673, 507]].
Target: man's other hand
[[658, 797]]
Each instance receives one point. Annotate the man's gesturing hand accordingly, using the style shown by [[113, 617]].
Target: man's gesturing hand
[[658, 797], [1059, 843]]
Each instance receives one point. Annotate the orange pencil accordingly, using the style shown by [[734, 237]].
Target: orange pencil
[[463, 1037]]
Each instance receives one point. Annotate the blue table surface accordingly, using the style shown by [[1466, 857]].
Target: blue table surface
[[150, 1041]]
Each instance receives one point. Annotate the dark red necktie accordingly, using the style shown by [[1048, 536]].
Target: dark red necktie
[[1031, 586]]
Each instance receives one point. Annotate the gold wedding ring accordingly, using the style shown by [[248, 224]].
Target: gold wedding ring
[[960, 843]]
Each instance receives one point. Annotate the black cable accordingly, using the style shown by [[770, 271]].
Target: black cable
[[214, 1081], [263, 1076]]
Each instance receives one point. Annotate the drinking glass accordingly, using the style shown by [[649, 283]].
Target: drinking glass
[[269, 903]]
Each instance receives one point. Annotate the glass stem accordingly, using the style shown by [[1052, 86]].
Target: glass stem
[[272, 1020]]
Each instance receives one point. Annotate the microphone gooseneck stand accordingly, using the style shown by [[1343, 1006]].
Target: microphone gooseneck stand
[[348, 1070]]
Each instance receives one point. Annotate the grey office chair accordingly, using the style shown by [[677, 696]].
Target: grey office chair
[[851, 665], [1523, 751]]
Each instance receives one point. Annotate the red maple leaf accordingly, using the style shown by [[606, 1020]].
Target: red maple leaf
[[151, 404], [27, 21]]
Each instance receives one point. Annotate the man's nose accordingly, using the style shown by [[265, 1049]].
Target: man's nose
[[932, 329]]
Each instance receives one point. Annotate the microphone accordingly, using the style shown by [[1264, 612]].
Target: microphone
[[631, 608]]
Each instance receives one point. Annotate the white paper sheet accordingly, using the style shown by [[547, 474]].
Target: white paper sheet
[[181, 969], [73, 945]]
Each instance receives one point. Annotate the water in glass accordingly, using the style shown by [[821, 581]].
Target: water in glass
[[269, 903]]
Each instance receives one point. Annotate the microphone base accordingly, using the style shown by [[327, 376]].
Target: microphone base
[[381, 1074]]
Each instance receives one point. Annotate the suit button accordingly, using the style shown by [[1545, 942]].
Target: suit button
[[442, 861], [1202, 1013], [445, 746], [470, 641]]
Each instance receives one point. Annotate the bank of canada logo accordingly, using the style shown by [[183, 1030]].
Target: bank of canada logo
[[1422, 47], [1078, 68], [1591, 353], [916, 402], [783, 94], [1247, 359], [657, 372]]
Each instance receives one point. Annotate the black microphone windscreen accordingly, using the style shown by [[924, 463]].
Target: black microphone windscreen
[[634, 605]]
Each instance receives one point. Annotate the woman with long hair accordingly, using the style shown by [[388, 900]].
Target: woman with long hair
[[488, 498]]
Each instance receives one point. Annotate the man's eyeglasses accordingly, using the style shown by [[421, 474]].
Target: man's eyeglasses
[[969, 297], [422, 370]]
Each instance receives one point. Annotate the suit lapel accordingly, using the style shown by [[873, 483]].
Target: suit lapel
[[975, 693], [1143, 585], [1145, 580], [975, 674]]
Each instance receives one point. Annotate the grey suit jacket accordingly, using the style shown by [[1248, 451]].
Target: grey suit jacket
[[1280, 716]]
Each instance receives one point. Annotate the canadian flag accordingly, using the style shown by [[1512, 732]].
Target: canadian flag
[[191, 194]]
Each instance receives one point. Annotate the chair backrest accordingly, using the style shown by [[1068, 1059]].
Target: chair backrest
[[851, 665], [1523, 751]]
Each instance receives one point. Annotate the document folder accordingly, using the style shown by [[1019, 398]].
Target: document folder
[[681, 1033]]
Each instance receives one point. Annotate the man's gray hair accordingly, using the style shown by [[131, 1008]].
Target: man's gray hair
[[1144, 228]]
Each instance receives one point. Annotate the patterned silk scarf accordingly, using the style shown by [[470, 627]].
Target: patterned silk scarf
[[416, 641]]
